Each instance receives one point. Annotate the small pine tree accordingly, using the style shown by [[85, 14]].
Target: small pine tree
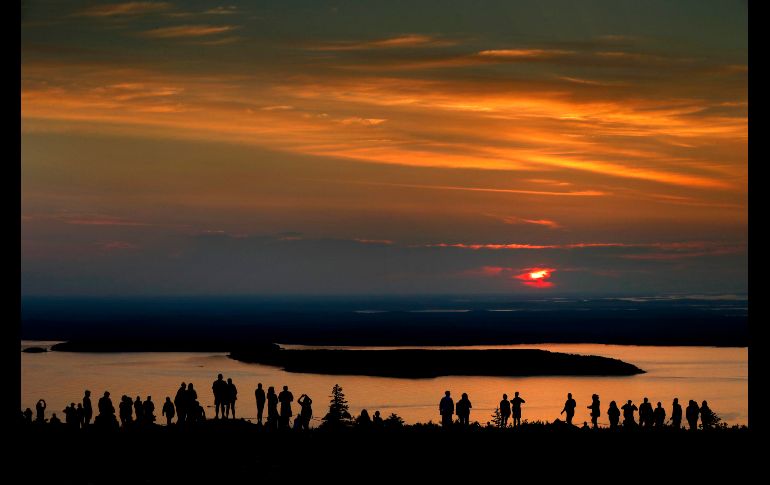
[[497, 419], [338, 414]]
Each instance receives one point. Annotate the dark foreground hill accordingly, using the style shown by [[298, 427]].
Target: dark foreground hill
[[238, 454], [415, 363]]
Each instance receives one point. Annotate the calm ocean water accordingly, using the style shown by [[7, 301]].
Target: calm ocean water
[[718, 375]]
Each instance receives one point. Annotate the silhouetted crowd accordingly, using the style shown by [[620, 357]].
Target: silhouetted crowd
[[187, 409]]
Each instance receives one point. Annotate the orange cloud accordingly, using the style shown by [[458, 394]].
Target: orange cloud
[[182, 31], [124, 9], [410, 40], [539, 222]]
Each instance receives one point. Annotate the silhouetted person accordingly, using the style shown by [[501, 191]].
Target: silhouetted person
[[272, 408], [148, 409], [28, 416], [40, 411], [595, 410], [706, 416], [463, 410], [195, 413], [191, 398], [106, 417], [569, 408], [306, 410], [138, 410], [676, 414], [71, 416], [232, 395], [659, 416], [585, 426], [54, 421], [377, 422], [505, 411], [446, 408], [613, 413], [285, 398], [88, 411], [516, 403], [259, 395], [645, 414], [219, 388], [180, 402], [79, 415], [363, 420], [105, 405], [691, 413], [168, 410], [125, 408], [628, 415]]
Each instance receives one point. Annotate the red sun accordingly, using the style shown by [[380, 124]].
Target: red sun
[[536, 277]]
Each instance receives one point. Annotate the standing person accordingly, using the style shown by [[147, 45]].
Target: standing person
[[219, 388], [138, 411], [148, 411], [168, 410], [463, 409], [88, 411], [124, 410], [691, 413], [190, 400], [285, 398], [377, 422], [659, 416], [613, 413], [505, 411], [676, 414], [79, 415], [259, 394], [706, 416], [628, 415], [232, 395], [595, 410], [71, 416], [306, 411], [569, 408], [40, 409], [272, 408], [180, 403], [516, 403], [446, 407], [645, 414]]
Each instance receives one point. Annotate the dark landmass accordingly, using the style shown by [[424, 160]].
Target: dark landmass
[[415, 363], [236, 452], [220, 324], [35, 350]]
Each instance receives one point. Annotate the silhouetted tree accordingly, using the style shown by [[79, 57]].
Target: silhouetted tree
[[338, 414], [710, 419], [497, 419], [394, 421]]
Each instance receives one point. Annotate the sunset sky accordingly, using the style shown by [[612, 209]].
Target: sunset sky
[[384, 147]]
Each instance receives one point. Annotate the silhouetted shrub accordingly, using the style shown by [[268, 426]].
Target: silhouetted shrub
[[394, 421]]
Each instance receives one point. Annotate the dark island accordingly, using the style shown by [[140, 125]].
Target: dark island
[[418, 363], [35, 350]]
